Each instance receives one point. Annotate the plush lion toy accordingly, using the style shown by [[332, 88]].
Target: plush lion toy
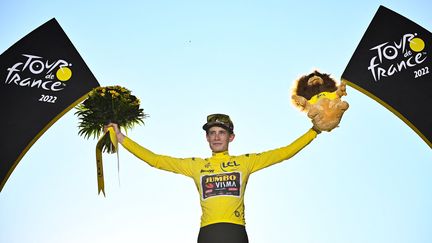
[[318, 95]]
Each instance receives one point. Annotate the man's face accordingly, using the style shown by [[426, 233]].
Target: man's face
[[218, 139]]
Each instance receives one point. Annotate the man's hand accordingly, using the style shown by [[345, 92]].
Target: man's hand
[[119, 134]]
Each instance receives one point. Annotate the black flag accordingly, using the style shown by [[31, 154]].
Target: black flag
[[42, 76], [393, 65]]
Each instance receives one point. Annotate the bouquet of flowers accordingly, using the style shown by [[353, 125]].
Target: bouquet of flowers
[[104, 105]]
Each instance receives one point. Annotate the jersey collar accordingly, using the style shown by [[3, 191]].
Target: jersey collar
[[220, 154]]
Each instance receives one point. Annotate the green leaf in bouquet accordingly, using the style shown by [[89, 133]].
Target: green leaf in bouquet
[[108, 104]]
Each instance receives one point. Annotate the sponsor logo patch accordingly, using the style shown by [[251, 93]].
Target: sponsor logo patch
[[225, 184]]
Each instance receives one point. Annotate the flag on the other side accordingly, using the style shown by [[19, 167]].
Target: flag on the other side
[[393, 65]]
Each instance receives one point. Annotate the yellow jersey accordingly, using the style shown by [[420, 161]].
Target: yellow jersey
[[221, 179], [328, 95]]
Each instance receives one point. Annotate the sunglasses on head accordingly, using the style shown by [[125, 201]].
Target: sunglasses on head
[[218, 118]]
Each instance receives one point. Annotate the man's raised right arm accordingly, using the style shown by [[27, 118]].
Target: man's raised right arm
[[176, 165]]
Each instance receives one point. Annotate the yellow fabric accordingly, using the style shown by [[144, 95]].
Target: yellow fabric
[[221, 179], [328, 95]]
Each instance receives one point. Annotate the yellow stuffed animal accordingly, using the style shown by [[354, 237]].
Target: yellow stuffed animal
[[318, 95]]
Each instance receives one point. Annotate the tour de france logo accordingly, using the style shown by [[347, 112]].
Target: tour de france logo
[[393, 57], [37, 72]]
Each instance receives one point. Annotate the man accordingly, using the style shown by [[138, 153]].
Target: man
[[220, 179]]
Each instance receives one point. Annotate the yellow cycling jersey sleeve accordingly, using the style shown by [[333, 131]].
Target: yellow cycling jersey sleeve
[[265, 159], [176, 165]]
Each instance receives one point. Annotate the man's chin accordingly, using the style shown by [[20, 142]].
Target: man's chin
[[218, 149]]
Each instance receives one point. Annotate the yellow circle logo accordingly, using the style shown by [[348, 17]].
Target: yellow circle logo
[[64, 74], [417, 44]]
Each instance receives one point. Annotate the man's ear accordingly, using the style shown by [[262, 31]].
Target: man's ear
[[231, 137]]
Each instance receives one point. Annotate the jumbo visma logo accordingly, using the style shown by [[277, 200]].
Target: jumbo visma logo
[[39, 73], [393, 57]]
